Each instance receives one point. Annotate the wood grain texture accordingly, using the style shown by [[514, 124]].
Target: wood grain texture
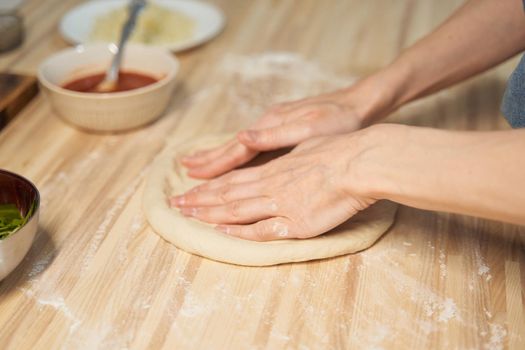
[[98, 277]]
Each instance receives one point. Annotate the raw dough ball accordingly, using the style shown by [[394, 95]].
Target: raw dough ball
[[168, 177]]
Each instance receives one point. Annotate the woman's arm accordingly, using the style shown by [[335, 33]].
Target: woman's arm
[[474, 173], [478, 36], [325, 181]]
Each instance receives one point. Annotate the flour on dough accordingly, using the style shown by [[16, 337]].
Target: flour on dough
[[168, 177]]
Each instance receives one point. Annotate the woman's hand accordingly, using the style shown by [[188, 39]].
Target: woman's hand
[[303, 194], [326, 180], [287, 124]]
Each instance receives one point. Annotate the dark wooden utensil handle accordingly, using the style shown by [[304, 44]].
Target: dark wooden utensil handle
[[16, 91]]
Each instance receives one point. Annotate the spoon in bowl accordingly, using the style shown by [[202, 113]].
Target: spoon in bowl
[[112, 74]]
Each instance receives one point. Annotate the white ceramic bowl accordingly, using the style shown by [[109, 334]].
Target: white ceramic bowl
[[15, 189], [115, 111], [76, 25]]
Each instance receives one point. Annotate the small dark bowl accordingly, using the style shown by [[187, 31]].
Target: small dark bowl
[[14, 189]]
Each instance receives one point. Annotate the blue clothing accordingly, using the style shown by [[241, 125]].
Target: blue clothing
[[513, 104]]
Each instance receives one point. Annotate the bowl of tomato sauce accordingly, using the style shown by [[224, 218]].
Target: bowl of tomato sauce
[[70, 79]]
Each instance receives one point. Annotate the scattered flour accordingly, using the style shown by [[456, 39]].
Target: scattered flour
[[488, 313], [143, 303], [347, 265], [445, 310], [138, 224], [448, 310], [280, 336], [191, 307], [42, 283], [442, 264], [427, 327], [257, 82], [40, 265], [471, 284], [280, 229], [290, 66], [58, 183], [437, 310], [110, 216], [497, 336], [58, 303], [483, 268]]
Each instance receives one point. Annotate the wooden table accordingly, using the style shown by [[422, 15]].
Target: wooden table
[[97, 276]]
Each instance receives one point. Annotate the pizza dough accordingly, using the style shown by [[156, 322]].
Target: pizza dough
[[168, 177]]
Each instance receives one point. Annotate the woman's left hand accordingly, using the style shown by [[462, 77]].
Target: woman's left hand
[[300, 195]]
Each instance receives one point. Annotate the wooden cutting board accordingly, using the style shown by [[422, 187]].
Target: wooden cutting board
[[98, 277], [16, 91]]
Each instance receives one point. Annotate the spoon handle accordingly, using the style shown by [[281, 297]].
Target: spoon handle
[[134, 9]]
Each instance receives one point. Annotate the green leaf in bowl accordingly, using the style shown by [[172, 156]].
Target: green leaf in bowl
[[11, 219]]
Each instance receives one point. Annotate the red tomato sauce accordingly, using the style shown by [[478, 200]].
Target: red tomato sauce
[[126, 81]]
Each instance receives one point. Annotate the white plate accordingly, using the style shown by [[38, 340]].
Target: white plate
[[77, 24]]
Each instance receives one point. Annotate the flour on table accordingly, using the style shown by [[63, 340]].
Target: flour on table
[[56, 302], [448, 311], [251, 81], [259, 81], [40, 265], [117, 206], [442, 264], [483, 268], [497, 335]]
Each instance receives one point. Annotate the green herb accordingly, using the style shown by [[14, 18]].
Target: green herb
[[11, 220]]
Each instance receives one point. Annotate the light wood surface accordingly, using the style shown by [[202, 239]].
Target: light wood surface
[[97, 277]]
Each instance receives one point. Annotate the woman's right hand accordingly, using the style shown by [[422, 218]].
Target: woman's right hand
[[287, 124]]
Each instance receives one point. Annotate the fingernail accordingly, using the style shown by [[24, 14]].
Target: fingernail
[[250, 135], [195, 173], [194, 189], [191, 156], [189, 211], [223, 229], [178, 200]]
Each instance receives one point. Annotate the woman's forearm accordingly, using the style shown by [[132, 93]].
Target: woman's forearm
[[478, 36], [474, 173]]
